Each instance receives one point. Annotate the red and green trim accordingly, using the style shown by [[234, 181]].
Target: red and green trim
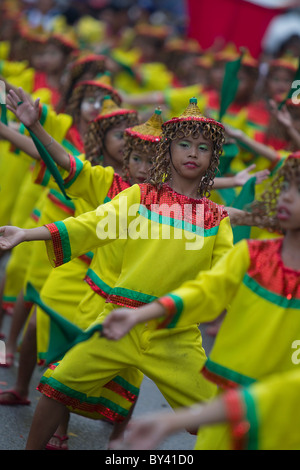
[[87, 257], [180, 224], [60, 242], [236, 415], [60, 201], [44, 175], [174, 307], [80, 402], [36, 214], [97, 284], [224, 377], [129, 298], [76, 166], [277, 299]]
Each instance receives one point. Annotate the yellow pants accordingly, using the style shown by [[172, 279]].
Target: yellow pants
[[171, 358]]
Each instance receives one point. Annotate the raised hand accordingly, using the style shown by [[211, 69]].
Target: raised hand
[[24, 109], [243, 176], [118, 323], [10, 237]]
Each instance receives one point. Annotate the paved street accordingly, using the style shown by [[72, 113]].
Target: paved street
[[84, 434]]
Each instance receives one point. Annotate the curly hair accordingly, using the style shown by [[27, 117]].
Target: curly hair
[[133, 143], [94, 137], [263, 212], [160, 171], [74, 76], [78, 93]]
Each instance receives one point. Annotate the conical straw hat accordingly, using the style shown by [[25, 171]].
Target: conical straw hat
[[150, 130], [192, 113], [110, 109]]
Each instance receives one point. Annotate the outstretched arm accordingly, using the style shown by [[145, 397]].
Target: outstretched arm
[[20, 141], [148, 432], [12, 236], [240, 178], [28, 113], [256, 147]]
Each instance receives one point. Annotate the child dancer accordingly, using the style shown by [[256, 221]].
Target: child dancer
[[258, 282], [184, 170], [257, 417]]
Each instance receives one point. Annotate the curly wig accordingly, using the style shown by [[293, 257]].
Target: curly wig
[[143, 138], [263, 212], [111, 116], [190, 123]]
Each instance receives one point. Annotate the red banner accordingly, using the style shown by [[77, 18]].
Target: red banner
[[242, 22]]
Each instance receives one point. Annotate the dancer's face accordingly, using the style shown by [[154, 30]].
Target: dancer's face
[[139, 166], [288, 206], [114, 143], [190, 157], [91, 105]]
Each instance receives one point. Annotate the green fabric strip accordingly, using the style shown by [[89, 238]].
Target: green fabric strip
[[62, 199], [82, 397], [98, 281], [179, 308], [70, 147], [3, 114], [7, 298], [228, 374], [230, 85], [79, 166], [128, 386], [177, 223], [133, 295], [63, 333], [252, 419], [65, 241], [272, 297], [46, 178], [43, 114], [49, 163]]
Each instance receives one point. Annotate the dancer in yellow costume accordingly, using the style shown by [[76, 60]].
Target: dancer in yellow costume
[[65, 288], [183, 172], [258, 281], [262, 416], [84, 106], [83, 308]]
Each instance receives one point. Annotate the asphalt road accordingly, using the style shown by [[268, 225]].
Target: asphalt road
[[84, 434]]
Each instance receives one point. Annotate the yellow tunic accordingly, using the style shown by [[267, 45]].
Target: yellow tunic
[[262, 297], [265, 415], [170, 358]]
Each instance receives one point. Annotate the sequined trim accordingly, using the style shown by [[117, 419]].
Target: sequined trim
[[186, 209], [119, 390], [60, 203], [60, 243], [174, 306], [96, 284], [225, 377], [268, 276], [35, 215], [72, 170], [41, 173], [239, 425], [118, 185], [86, 259], [80, 407], [129, 298]]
